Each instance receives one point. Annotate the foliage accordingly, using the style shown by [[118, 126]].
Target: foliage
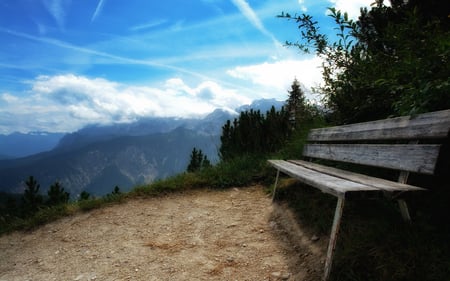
[[239, 171], [254, 133], [198, 161], [392, 61], [301, 113], [31, 198], [57, 195], [183, 181], [115, 196], [84, 195], [40, 217]]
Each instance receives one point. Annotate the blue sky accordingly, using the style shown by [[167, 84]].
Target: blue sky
[[65, 64]]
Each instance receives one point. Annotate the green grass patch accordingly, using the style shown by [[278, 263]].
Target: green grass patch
[[41, 217]]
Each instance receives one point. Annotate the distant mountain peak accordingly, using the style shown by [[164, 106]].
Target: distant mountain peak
[[263, 105]]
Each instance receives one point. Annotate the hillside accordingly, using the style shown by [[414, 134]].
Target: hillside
[[98, 167], [235, 234], [99, 157]]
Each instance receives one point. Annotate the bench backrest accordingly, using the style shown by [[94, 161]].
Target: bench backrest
[[409, 143]]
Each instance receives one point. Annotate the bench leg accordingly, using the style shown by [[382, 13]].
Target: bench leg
[[403, 178], [275, 186], [404, 210], [333, 237]]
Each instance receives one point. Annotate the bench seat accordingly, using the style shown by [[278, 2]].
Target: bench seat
[[408, 144], [335, 181]]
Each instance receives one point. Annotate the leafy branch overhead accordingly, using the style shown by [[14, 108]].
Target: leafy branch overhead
[[393, 60]]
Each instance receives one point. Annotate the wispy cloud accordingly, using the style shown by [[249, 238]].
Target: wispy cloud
[[252, 17], [98, 10], [148, 25], [57, 8], [248, 12], [114, 59]]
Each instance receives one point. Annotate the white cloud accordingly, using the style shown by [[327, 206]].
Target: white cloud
[[352, 7], [303, 7], [76, 101], [6, 97], [278, 76]]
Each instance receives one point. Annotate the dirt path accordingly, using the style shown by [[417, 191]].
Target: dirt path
[[198, 235]]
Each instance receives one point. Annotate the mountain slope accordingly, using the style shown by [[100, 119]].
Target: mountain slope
[[20, 145], [124, 161], [97, 158]]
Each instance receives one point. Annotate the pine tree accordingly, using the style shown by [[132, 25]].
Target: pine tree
[[198, 161], [253, 133], [116, 190], [57, 195], [296, 104], [84, 196], [31, 198]]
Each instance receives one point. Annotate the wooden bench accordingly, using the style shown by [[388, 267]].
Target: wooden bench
[[409, 144]]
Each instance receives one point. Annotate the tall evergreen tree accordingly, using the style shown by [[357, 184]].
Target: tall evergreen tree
[[296, 104], [84, 195], [198, 161], [31, 198], [57, 195], [254, 133]]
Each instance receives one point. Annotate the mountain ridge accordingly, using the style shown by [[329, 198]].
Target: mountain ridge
[[97, 158]]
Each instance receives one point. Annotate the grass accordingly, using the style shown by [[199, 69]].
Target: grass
[[235, 173]]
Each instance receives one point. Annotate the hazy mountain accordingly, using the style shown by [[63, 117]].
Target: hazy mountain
[[263, 105], [209, 125], [17, 145], [97, 158], [123, 161]]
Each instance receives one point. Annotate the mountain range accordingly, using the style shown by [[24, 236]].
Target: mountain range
[[98, 158]]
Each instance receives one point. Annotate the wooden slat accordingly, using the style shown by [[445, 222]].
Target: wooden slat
[[381, 184], [419, 158], [423, 126], [326, 183]]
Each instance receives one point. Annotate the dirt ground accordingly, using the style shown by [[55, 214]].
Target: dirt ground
[[235, 234]]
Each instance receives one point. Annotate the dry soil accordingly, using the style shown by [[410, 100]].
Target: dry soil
[[235, 234]]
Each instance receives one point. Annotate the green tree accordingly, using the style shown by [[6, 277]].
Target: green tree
[[116, 190], [31, 198], [391, 61], [254, 133], [115, 195], [57, 195], [299, 110], [84, 195], [198, 161]]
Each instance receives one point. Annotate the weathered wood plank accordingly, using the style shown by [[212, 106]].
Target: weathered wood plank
[[423, 126], [326, 183], [382, 184], [419, 158]]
